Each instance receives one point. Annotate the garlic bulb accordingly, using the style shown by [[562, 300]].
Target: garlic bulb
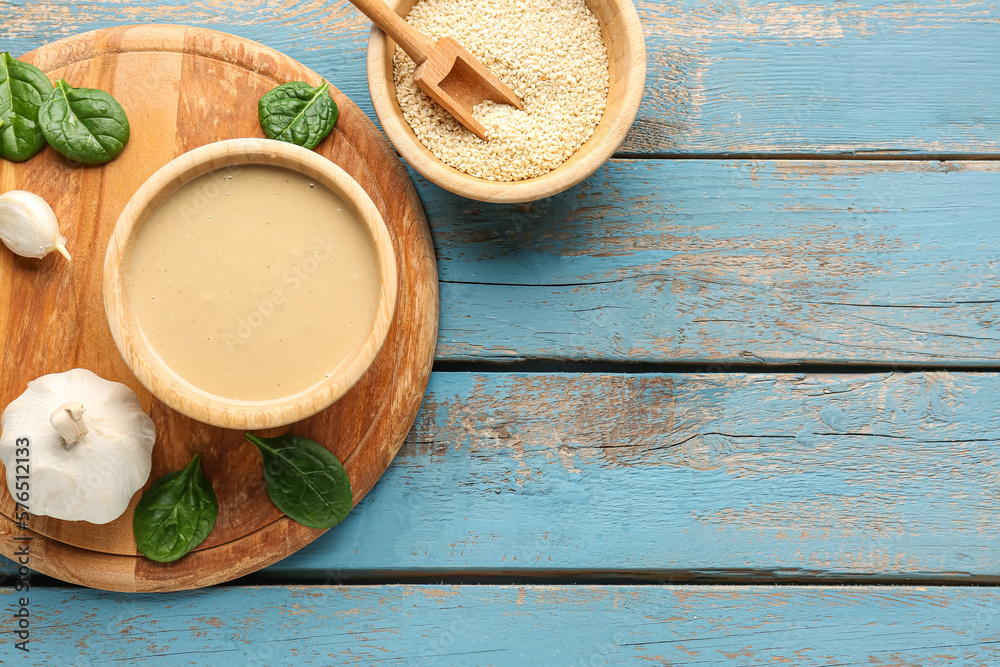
[[28, 225], [89, 446]]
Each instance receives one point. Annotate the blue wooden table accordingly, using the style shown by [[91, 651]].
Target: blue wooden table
[[733, 400]]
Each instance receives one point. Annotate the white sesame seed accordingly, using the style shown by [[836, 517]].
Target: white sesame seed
[[557, 65]]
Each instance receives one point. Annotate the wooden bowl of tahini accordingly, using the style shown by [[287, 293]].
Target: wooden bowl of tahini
[[249, 283], [621, 32]]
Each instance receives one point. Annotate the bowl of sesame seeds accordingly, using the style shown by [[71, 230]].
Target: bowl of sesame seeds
[[579, 67]]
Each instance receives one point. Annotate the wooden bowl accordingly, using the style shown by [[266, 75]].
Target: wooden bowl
[[622, 33], [147, 366]]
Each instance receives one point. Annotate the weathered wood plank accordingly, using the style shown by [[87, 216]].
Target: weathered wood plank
[[714, 261], [819, 77], [676, 477], [670, 477], [512, 625], [743, 76], [682, 477]]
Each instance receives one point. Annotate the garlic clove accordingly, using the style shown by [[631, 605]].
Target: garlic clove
[[28, 225]]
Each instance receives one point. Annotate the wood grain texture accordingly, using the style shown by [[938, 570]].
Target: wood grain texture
[[60, 321], [839, 78], [682, 477], [779, 478], [474, 625], [715, 261]]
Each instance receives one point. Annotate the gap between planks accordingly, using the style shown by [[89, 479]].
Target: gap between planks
[[858, 156], [605, 578], [703, 578], [710, 367]]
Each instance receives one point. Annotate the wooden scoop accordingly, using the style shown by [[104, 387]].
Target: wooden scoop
[[448, 73]]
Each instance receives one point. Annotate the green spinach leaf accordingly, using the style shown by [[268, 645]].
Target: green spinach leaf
[[304, 480], [23, 88], [298, 113], [176, 514], [84, 124]]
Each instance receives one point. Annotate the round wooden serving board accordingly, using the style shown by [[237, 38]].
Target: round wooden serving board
[[182, 88]]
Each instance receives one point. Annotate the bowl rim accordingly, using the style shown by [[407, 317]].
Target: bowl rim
[[559, 179], [164, 383]]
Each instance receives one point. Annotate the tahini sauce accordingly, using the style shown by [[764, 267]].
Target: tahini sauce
[[253, 282]]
